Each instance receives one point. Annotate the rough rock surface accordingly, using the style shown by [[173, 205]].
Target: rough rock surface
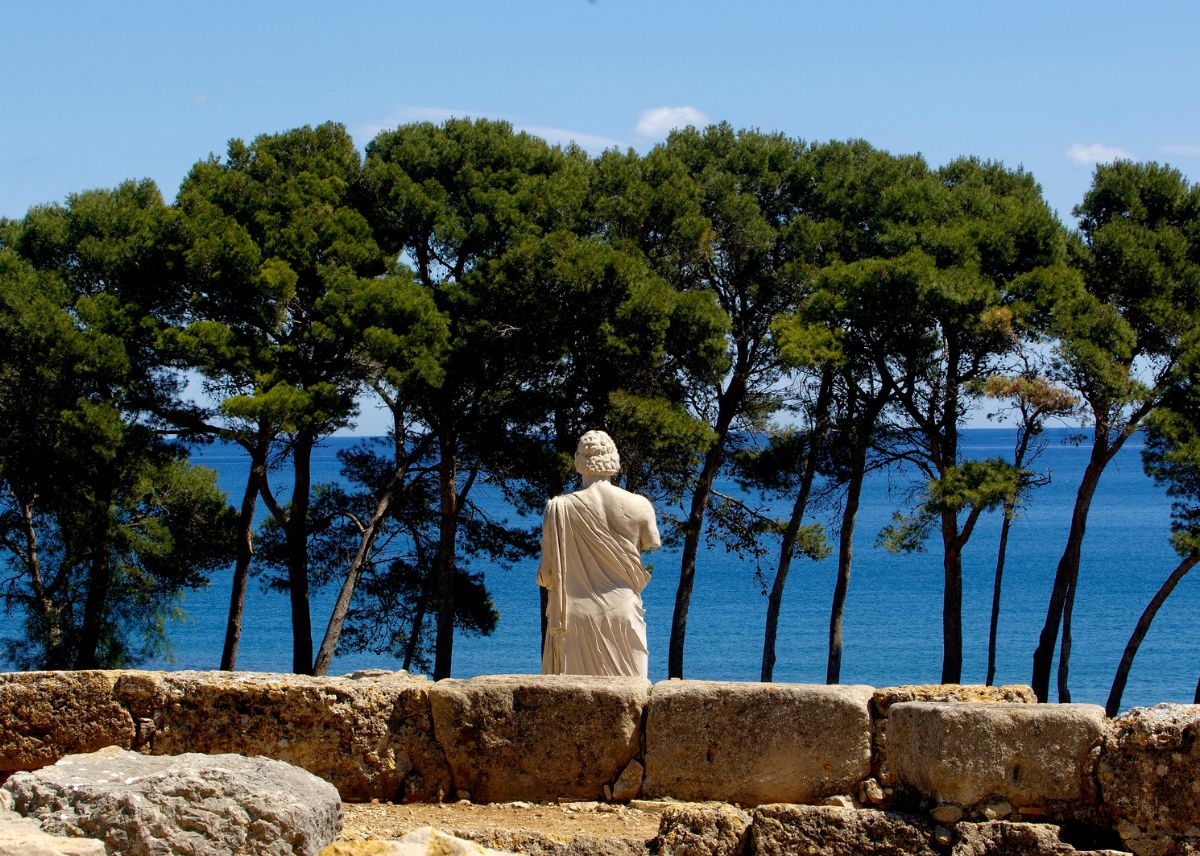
[[20, 836], [883, 699], [754, 743], [185, 804], [1036, 758], [372, 736], [1004, 838], [799, 830], [425, 841], [46, 715], [1150, 778], [532, 844], [703, 830], [538, 737]]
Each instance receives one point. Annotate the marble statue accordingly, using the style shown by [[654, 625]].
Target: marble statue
[[592, 568]]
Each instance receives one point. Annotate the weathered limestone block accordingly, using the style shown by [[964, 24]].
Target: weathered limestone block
[[753, 743], [538, 737], [186, 804], [20, 836], [802, 830], [1036, 758], [372, 737], [884, 698], [46, 715], [703, 830], [1150, 778]]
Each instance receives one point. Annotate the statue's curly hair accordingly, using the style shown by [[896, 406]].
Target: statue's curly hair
[[597, 455]]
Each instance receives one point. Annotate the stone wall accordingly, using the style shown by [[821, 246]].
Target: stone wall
[[945, 755]]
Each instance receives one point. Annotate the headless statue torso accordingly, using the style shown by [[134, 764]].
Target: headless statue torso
[[591, 565]]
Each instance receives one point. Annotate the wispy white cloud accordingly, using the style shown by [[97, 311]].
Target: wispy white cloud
[[1088, 154], [561, 136], [403, 115], [408, 113], [656, 123], [1181, 150]]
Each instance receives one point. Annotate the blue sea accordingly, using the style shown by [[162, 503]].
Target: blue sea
[[892, 628]]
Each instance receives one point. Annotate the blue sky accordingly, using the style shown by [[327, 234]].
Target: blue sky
[[97, 93]]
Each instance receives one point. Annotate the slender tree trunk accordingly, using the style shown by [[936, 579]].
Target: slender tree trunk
[[444, 562], [245, 551], [1009, 507], [1196, 697], [1064, 648], [833, 668], [1068, 568], [731, 402], [87, 655], [297, 554], [787, 545], [951, 600], [414, 637], [1143, 626]]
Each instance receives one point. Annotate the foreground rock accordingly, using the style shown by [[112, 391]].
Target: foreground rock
[[185, 804], [46, 715], [993, 760], [20, 836], [792, 830], [756, 743], [1150, 778], [538, 737], [372, 737]]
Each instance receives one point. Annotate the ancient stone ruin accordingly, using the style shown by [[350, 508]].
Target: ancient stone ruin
[[960, 770]]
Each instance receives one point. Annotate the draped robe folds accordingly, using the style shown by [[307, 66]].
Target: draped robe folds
[[592, 568]]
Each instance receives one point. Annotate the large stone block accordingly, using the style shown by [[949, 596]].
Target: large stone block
[[1038, 759], [538, 737], [806, 830], [371, 737], [885, 697], [46, 715], [756, 743], [187, 804], [1150, 778]]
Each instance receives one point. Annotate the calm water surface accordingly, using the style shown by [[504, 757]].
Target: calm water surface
[[892, 626]]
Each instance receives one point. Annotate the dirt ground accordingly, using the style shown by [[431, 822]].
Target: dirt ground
[[560, 822]]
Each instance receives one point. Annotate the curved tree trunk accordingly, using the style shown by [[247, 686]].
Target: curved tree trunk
[[241, 567], [362, 555], [833, 665], [995, 623], [1068, 567], [1113, 706]]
